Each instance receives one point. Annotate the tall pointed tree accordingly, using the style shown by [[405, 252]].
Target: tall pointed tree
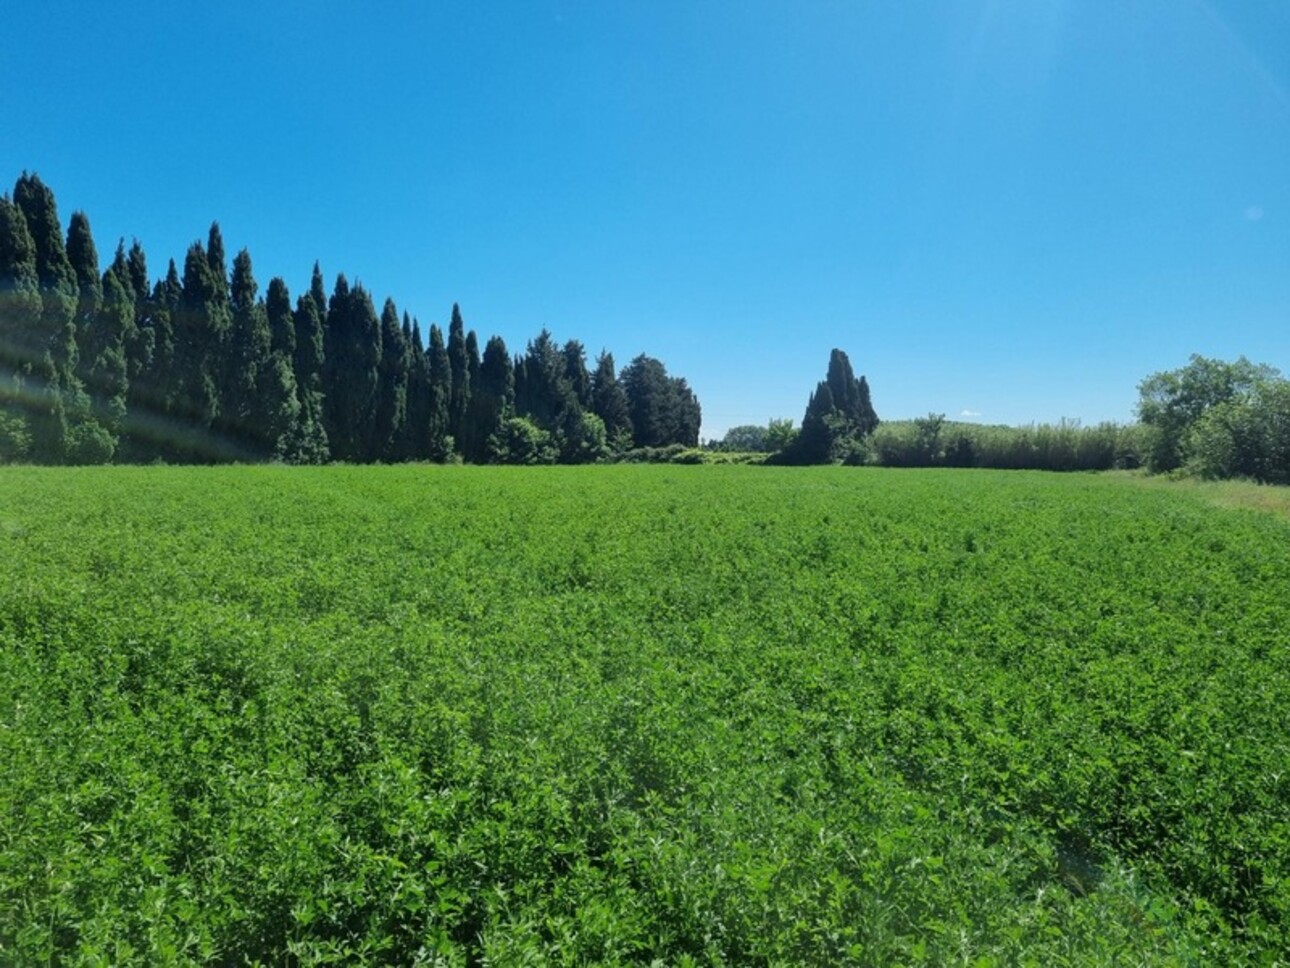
[[416, 428], [84, 259], [440, 386], [352, 358], [392, 387], [575, 371], [58, 396], [609, 403], [21, 342], [493, 398], [201, 324], [459, 394], [312, 445]]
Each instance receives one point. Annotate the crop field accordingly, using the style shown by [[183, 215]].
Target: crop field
[[639, 714]]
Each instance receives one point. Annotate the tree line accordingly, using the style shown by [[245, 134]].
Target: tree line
[[1211, 418], [200, 367]]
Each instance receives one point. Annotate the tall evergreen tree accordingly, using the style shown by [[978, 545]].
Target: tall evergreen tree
[[459, 394], [838, 415], [249, 345], [663, 409], [201, 325], [312, 446], [493, 399], [318, 293], [392, 387], [545, 395], [416, 429], [21, 336], [575, 371], [609, 403], [84, 259], [282, 325], [58, 401], [107, 373], [275, 417], [440, 385], [473, 440], [352, 359]]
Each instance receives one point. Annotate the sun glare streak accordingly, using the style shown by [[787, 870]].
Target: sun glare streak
[[1247, 57]]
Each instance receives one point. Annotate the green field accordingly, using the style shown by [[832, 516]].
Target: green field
[[691, 715]]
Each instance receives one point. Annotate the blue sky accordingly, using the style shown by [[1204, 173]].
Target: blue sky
[[1009, 208]]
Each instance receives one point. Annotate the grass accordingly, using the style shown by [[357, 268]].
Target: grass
[[637, 714], [1225, 494]]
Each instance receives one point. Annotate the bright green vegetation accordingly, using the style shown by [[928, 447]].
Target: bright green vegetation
[[701, 715]]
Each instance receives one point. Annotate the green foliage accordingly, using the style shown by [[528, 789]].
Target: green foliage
[[392, 386], [839, 416], [520, 441], [351, 373], [662, 408], [1171, 402], [609, 402], [933, 441], [638, 715], [201, 369]]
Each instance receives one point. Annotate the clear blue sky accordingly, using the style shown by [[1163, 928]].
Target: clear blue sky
[[1013, 208]]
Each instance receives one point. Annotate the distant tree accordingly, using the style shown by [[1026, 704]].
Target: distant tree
[[609, 402], [493, 399], [248, 346], [21, 336], [473, 442], [84, 259], [459, 364], [575, 371], [544, 395], [780, 434], [392, 387], [839, 416], [520, 441], [745, 437], [663, 409], [439, 369], [416, 429], [107, 373], [57, 403], [1170, 403], [351, 372]]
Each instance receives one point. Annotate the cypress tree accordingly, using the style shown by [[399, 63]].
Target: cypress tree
[[459, 393], [243, 415], [545, 394], [609, 403], [282, 325], [838, 415], [58, 401], [658, 408], [392, 387], [20, 332], [440, 385], [84, 259], [276, 411], [201, 324], [575, 371], [494, 397], [352, 358], [416, 429], [107, 374], [311, 445], [139, 346], [318, 293]]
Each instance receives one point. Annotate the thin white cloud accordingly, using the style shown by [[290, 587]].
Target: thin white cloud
[[969, 413]]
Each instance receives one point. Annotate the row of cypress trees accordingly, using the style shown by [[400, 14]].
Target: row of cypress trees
[[199, 367]]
